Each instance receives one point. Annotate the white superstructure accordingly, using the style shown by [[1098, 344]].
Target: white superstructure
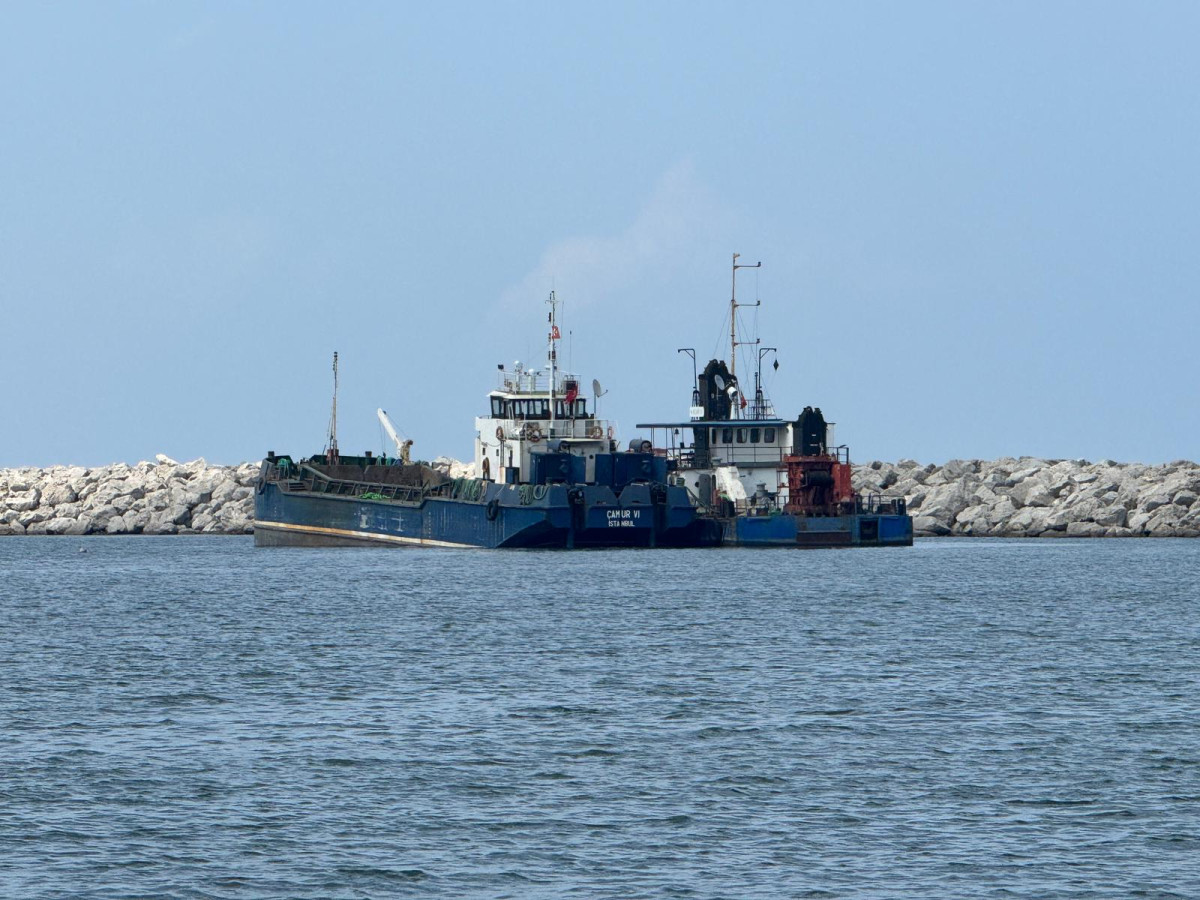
[[538, 410]]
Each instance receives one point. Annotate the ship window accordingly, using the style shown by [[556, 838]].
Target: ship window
[[497, 407], [754, 435], [543, 408], [581, 408], [741, 435], [726, 435], [768, 435]]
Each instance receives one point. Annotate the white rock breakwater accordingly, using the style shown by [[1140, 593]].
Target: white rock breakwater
[[1030, 497], [163, 497], [1024, 497]]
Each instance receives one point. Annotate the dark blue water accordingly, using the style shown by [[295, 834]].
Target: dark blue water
[[191, 717]]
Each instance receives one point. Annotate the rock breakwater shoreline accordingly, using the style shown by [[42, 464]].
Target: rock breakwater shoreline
[[161, 497], [1033, 497], [1025, 497]]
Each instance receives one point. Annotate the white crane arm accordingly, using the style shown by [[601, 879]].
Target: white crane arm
[[390, 429]]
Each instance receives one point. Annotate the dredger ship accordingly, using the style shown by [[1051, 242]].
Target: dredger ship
[[548, 474], [768, 481]]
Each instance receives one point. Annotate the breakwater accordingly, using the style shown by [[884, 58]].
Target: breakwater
[[1031, 497], [1024, 497], [161, 497]]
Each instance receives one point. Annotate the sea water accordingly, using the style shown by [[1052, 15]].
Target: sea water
[[192, 717]]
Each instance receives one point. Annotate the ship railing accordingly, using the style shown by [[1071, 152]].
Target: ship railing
[[877, 504], [578, 428], [750, 455], [313, 481]]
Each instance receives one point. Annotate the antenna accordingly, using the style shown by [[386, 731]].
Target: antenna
[[691, 351], [733, 306], [333, 447], [759, 404], [597, 393], [552, 353]]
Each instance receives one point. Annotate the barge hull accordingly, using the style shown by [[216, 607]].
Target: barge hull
[[501, 516], [853, 530]]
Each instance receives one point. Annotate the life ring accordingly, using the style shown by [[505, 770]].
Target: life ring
[[499, 432], [594, 432], [492, 509], [610, 432], [533, 434]]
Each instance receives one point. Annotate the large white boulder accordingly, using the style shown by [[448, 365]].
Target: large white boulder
[[25, 499], [929, 525], [1031, 491]]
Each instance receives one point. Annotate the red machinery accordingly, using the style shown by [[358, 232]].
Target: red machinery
[[818, 482]]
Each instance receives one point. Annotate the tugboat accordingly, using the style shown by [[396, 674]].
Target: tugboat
[[547, 474], [767, 481]]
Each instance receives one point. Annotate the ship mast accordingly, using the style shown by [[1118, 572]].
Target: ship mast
[[733, 307], [333, 447], [552, 353]]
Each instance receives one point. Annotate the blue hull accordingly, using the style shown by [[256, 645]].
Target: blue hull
[[503, 516], [853, 530]]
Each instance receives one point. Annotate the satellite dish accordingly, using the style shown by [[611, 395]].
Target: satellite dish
[[718, 381], [596, 392]]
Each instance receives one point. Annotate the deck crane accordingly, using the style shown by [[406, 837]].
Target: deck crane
[[402, 447]]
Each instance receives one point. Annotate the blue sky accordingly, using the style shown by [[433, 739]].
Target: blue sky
[[978, 224]]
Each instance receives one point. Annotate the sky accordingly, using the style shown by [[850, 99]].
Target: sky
[[978, 224]]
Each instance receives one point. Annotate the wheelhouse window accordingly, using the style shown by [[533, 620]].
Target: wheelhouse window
[[498, 407], [741, 435], [726, 435], [768, 435], [754, 434]]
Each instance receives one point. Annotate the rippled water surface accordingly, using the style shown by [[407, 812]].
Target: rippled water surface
[[191, 717]]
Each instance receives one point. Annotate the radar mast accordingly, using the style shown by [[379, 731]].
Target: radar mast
[[734, 343]]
